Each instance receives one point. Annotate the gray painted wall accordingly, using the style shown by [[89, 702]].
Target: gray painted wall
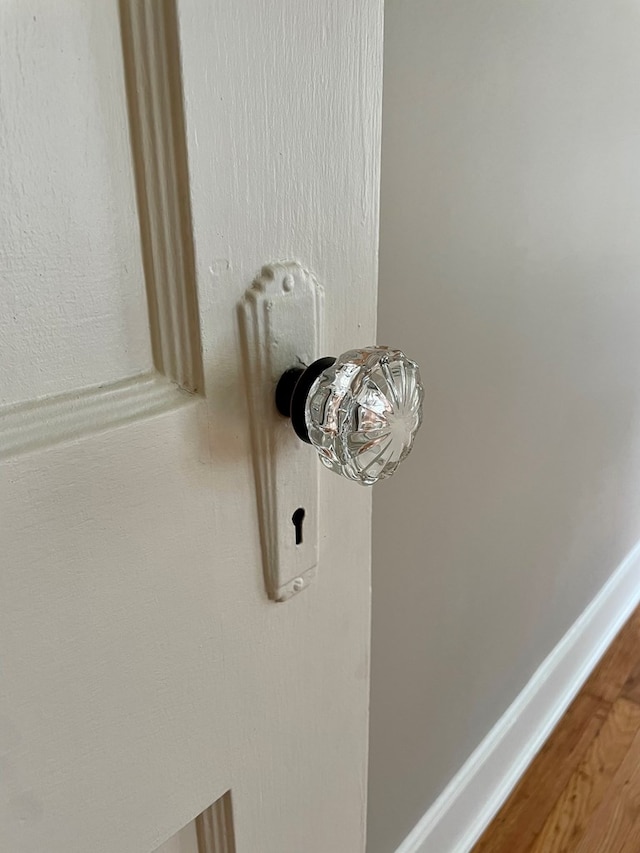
[[510, 269]]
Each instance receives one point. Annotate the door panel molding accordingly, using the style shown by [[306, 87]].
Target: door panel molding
[[151, 59], [42, 423], [215, 827], [151, 52]]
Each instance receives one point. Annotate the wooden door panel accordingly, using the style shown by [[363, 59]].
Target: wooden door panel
[[84, 348], [144, 671], [70, 262]]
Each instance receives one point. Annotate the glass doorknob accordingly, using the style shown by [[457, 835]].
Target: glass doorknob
[[361, 411]]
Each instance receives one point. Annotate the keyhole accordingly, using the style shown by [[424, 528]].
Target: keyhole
[[298, 518]]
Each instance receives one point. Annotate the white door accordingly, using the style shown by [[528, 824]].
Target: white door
[[154, 155]]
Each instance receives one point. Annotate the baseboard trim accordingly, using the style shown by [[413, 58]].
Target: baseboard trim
[[466, 806]]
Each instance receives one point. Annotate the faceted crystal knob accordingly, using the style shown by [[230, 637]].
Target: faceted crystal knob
[[361, 411]]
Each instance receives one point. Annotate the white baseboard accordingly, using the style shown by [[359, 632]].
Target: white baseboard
[[466, 806]]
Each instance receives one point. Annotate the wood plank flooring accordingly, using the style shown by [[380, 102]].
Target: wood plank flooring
[[581, 793]]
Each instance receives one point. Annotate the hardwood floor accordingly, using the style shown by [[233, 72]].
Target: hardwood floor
[[581, 794]]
